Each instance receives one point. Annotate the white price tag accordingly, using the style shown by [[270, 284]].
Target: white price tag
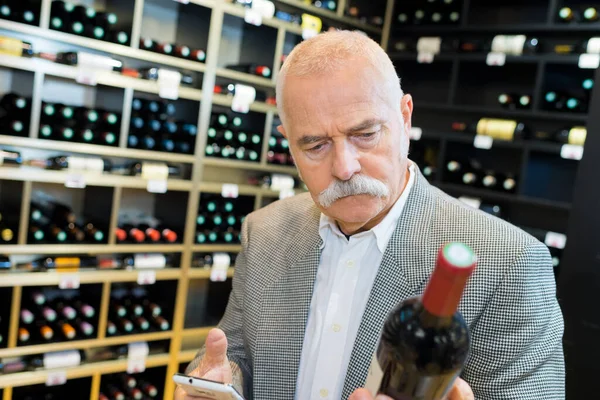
[[136, 365], [156, 186], [168, 84], [556, 240], [495, 59], [56, 378], [285, 193], [415, 133], [483, 142], [425, 58], [253, 17], [87, 76], [68, 281], [571, 151], [221, 263], [75, 181], [471, 201], [146, 277], [149, 260], [265, 8], [589, 61], [230, 190], [243, 97]]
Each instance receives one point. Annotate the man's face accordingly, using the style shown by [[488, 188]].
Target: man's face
[[343, 125]]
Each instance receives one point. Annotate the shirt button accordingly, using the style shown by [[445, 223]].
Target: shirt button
[[350, 263], [336, 328], [323, 392]]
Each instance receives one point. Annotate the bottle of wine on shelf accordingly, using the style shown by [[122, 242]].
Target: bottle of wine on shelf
[[499, 129], [590, 14], [515, 44], [253, 69], [426, 334], [15, 47], [567, 14], [13, 103], [575, 135]]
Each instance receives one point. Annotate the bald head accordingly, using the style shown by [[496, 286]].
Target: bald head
[[329, 52]]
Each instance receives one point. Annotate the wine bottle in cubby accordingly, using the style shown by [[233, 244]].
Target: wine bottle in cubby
[[253, 69]]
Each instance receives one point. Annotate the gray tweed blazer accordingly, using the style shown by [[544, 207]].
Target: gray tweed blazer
[[509, 304]]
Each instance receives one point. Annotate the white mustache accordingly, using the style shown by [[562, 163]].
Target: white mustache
[[358, 184]]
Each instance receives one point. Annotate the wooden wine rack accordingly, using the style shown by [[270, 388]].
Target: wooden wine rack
[[193, 186]]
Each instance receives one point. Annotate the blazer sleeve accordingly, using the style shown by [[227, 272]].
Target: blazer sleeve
[[516, 345], [232, 325]]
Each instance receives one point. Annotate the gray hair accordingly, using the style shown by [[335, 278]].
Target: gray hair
[[330, 51], [358, 184]]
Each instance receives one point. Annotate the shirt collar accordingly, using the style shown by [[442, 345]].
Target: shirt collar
[[384, 230]]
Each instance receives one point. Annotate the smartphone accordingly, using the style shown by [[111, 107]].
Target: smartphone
[[205, 388]]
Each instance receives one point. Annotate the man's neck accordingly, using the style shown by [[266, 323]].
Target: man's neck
[[352, 229]]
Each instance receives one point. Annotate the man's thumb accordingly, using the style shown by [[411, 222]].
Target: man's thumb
[[216, 347]]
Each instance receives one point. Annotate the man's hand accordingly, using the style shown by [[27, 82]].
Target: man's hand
[[214, 365], [460, 391]]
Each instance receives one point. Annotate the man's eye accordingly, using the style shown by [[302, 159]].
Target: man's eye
[[316, 148], [367, 135]]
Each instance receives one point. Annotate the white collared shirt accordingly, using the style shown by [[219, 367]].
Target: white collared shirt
[[347, 270]]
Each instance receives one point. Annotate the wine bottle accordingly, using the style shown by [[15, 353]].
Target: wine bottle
[[65, 310], [111, 328], [127, 380], [119, 37], [10, 157], [74, 233], [67, 330], [566, 15], [142, 323], [507, 100], [48, 313], [14, 103], [148, 388], [574, 104], [57, 212], [134, 234], [135, 393], [85, 115], [470, 178], [6, 11], [164, 48], [590, 14], [203, 261], [167, 234], [85, 309], [85, 328], [182, 51], [125, 325], [575, 135], [46, 332], [114, 392], [253, 69], [152, 308], [15, 47], [118, 309], [489, 180], [418, 16], [160, 323], [27, 316], [13, 127], [515, 44], [501, 129], [509, 184], [93, 233], [23, 335], [427, 338], [454, 171]]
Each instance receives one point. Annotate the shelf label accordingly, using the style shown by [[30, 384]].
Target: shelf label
[[136, 365], [415, 133], [56, 378], [136, 357], [471, 201], [571, 151], [146, 277], [425, 58], [157, 186], [87, 76], [168, 83], [141, 260], [68, 281], [285, 193], [230, 190], [221, 263], [243, 97], [589, 61], [495, 59], [483, 142], [75, 181], [265, 8], [311, 26], [556, 240], [253, 17]]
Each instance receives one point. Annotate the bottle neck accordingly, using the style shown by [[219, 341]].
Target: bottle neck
[[443, 293]]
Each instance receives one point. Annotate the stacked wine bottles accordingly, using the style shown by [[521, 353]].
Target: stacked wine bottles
[[54, 222], [570, 15], [252, 69], [53, 315], [279, 150], [124, 386], [434, 12], [569, 101], [86, 21], [173, 49], [15, 113], [104, 262], [23, 11], [132, 310], [154, 127], [471, 173], [205, 260], [79, 124], [220, 220], [227, 139], [145, 229]]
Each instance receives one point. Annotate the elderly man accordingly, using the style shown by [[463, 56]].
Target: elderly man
[[318, 273]]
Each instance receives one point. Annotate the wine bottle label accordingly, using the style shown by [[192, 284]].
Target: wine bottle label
[[374, 376], [577, 135], [593, 46], [497, 128], [67, 262], [94, 164], [149, 261], [509, 44], [62, 359], [95, 61], [10, 46], [155, 171], [431, 45], [75, 163]]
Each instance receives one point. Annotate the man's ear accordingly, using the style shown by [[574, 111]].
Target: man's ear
[[281, 130], [406, 108]]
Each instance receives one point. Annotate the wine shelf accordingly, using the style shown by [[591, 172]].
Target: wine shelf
[[84, 344], [53, 278], [204, 273], [90, 248], [186, 356], [498, 29], [80, 371], [246, 190], [210, 248], [526, 58], [93, 149], [219, 162], [498, 196], [32, 174], [257, 106]]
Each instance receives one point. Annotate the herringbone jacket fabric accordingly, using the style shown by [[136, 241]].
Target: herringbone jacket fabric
[[509, 304]]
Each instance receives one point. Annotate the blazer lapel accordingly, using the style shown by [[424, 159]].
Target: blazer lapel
[[405, 255], [284, 315]]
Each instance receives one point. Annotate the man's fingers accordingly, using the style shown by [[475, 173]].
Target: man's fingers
[[363, 394], [461, 391], [216, 348]]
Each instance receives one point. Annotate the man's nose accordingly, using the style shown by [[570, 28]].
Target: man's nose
[[345, 164]]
